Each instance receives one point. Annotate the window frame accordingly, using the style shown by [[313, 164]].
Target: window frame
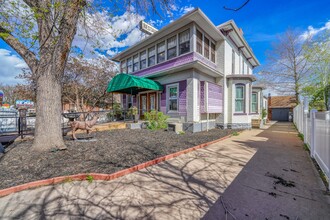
[[256, 102], [174, 85], [240, 99], [199, 41], [129, 63], [213, 51], [136, 64], [141, 59], [185, 42], [161, 52], [154, 56], [206, 48], [171, 48]]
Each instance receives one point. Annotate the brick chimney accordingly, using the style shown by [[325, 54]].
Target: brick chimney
[[269, 115]]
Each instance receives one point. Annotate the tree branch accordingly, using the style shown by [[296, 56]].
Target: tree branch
[[237, 9], [28, 56]]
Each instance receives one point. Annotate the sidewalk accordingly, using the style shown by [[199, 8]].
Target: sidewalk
[[190, 186]]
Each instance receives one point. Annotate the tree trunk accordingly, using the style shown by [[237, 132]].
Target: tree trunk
[[48, 130]]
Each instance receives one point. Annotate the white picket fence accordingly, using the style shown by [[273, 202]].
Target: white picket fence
[[315, 126]]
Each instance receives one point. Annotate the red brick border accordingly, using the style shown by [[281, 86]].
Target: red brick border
[[99, 176]]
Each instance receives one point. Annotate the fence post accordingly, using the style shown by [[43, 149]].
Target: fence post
[[305, 118], [313, 132]]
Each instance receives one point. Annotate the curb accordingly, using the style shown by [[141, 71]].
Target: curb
[[100, 176]]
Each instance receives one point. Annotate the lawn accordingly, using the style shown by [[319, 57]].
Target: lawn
[[107, 152]]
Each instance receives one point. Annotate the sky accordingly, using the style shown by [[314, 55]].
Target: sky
[[262, 22]]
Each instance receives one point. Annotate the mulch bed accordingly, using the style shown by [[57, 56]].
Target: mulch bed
[[107, 152]]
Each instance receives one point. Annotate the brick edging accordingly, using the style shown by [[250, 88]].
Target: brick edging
[[100, 176]]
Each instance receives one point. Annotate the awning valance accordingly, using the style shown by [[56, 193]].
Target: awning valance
[[129, 84]]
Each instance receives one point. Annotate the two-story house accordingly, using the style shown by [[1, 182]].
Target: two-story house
[[205, 72]]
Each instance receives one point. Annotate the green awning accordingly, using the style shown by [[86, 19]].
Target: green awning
[[125, 83]]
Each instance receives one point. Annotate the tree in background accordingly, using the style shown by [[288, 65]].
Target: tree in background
[[41, 32], [287, 70], [317, 52], [85, 82]]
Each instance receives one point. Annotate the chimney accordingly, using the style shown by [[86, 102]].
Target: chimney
[[269, 99]]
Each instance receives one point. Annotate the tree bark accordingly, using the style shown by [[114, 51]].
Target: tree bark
[[48, 130]]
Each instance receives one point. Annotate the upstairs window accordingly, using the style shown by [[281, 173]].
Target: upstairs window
[[213, 52], [233, 55], [206, 48], [171, 47], [143, 60], [184, 42], [248, 70], [151, 56], [239, 98], [135, 63], [129, 65], [199, 43], [161, 52], [242, 66], [254, 102], [123, 67]]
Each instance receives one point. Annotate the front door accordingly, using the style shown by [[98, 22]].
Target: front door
[[148, 102]]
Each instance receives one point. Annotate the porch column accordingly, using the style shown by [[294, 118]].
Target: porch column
[[193, 113]]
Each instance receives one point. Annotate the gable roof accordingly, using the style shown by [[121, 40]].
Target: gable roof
[[282, 102]]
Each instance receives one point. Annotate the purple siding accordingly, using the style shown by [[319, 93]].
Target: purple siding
[[184, 59], [215, 98], [202, 97], [182, 98]]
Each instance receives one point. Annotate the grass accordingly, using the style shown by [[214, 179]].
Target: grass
[[89, 178], [301, 136], [235, 133]]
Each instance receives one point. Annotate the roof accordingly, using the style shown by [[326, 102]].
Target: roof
[[195, 15], [129, 84], [282, 102], [236, 35]]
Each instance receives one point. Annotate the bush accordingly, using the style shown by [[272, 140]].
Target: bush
[[156, 120], [263, 113]]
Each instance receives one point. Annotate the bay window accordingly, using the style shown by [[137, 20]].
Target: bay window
[[213, 52], [254, 103], [171, 47], [184, 42], [151, 56], [199, 43], [206, 48], [143, 60], [161, 52], [239, 98]]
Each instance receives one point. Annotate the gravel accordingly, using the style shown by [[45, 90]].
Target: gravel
[[107, 152]]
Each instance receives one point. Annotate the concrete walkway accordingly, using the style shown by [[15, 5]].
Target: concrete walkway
[[236, 171]]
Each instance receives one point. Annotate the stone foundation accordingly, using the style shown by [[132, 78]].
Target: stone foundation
[[198, 126]]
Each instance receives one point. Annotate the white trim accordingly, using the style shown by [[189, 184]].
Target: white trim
[[167, 97], [244, 98]]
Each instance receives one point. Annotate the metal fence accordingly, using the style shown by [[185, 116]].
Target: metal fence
[[315, 126]]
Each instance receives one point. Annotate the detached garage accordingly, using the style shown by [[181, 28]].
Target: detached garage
[[280, 108]]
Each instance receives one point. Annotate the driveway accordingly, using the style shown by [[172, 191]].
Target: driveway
[[237, 173]]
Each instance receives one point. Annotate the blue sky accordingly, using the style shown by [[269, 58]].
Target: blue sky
[[261, 21]]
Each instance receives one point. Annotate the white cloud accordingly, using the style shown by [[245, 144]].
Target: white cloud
[[11, 66], [186, 9], [311, 31]]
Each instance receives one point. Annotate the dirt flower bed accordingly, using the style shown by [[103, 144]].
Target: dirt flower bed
[[107, 152]]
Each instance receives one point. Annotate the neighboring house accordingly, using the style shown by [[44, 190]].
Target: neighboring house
[[205, 72], [280, 108]]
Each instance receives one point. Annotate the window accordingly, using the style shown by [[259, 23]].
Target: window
[[199, 43], [171, 47], [143, 60], [123, 67], [213, 52], [248, 70], [172, 97], [184, 42], [233, 61], [135, 63], [239, 98], [254, 103], [129, 65], [206, 48], [161, 52], [151, 56]]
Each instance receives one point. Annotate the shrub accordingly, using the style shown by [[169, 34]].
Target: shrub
[[263, 113], [156, 120]]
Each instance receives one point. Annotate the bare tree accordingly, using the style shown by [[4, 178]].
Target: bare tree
[[238, 8], [41, 32], [287, 69]]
